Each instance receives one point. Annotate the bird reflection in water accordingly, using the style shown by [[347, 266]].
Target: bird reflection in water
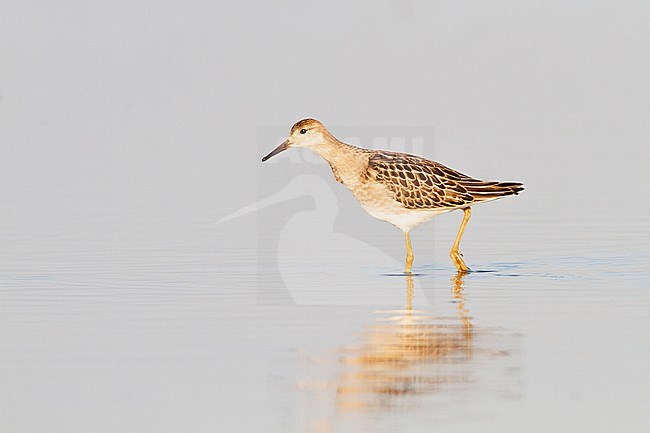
[[408, 353]]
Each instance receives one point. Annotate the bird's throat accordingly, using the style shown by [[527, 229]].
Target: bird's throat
[[346, 160]]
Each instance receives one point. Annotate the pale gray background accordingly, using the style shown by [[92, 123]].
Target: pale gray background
[[139, 91], [128, 128]]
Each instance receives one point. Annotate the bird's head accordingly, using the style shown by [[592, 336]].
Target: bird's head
[[305, 133]]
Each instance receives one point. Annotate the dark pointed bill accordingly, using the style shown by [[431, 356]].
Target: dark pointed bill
[[284, 146]]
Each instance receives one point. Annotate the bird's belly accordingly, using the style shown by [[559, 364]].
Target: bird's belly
[[378, 201]]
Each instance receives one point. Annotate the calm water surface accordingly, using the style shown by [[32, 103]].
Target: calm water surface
[[154, 318]]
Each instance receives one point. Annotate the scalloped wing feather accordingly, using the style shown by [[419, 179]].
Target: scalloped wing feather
[[419, 183]]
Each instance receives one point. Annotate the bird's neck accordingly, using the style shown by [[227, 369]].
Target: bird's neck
[[347, 160], [334, 151]]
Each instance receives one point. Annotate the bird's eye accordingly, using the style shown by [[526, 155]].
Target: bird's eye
[[303, 131]]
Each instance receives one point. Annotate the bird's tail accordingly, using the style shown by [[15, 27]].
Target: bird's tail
[[489, 190]]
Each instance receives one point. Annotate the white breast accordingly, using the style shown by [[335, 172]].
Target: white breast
[[378, 201]]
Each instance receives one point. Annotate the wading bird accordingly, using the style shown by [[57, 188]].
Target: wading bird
[[402, 189]]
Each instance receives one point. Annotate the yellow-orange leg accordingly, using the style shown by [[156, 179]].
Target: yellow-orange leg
[[409, 253], [455, 254]]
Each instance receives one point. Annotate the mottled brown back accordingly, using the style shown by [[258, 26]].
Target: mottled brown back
[[419, 183]]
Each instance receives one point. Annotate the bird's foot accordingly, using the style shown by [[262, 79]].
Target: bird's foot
[[457, 258]]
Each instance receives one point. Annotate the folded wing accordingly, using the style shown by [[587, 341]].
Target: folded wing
[[418, 183]]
